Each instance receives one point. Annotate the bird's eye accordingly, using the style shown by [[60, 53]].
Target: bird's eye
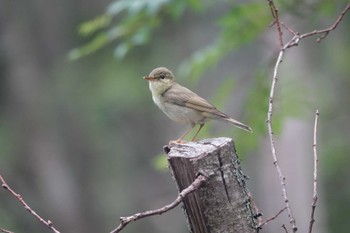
[[162, 76]]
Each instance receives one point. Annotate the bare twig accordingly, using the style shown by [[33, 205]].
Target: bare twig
[[274, 12], [322, 33], [289, 29], [47, 223], [5, 231], [272, 218], [199, 181], [272, 141], [314, 197]]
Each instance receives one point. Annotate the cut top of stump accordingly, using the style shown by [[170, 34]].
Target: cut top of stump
[[195, 149]]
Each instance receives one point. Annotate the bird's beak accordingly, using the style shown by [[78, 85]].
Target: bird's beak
[[149, 78]]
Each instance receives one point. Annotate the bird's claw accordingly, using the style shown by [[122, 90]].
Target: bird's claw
[[173, 142]]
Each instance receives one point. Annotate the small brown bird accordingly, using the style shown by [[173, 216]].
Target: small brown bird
[[183, 105]]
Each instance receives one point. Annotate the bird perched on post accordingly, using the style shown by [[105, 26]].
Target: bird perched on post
[[183, 105]]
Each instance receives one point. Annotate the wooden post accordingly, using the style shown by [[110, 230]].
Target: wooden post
[[222, 204]]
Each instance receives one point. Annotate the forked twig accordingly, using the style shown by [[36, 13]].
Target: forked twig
[[274, 12], [198, 182], [322, 33], [47, 223]]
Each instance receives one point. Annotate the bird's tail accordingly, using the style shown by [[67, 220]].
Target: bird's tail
[[239, 124]]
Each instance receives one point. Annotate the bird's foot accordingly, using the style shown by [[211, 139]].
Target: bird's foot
[[173, 142]]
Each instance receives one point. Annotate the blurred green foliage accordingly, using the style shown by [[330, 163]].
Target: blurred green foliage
[[133, 23], [137, 20]]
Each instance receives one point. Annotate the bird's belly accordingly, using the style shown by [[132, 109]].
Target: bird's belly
[[183, 114]]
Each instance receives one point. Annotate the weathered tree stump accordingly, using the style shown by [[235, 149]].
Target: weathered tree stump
[[222, 204]]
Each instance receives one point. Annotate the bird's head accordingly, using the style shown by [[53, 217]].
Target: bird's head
[[160, 79]]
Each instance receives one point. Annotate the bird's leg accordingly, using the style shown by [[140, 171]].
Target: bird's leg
[[200, 127], [187, 132]]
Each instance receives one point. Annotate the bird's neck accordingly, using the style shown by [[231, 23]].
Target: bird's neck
[[158, 90]]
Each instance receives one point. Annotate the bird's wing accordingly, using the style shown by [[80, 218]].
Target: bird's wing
[[187, 98]]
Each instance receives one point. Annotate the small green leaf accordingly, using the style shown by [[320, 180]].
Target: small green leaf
[[91, 26], [117, 6], [98, 42], [115, 32], [154, 6], [135, 7]]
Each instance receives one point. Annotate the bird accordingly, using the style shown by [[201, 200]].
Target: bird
[[182, 105]]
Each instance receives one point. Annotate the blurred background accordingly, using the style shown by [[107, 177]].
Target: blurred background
[[81, 140]]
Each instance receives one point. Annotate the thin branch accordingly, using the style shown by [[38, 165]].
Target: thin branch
[[47, 223], [314, 197], [272, 142], [272, 218], [198, 182], [5, 231], [274, 12], [289, 29], [323, 33]]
